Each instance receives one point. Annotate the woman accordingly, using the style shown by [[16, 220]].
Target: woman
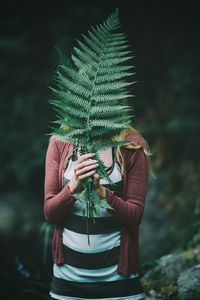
[[109, 267]]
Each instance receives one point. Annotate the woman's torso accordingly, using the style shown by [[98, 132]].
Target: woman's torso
[[96, 263]]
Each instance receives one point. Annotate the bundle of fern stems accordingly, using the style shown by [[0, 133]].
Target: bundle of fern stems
[[91, 101], [89, 195]]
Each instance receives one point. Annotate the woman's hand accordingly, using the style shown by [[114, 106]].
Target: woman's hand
[[100, 188], [84, 167]]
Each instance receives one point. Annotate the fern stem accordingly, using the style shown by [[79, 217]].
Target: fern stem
[[87, 231], [89, 202]]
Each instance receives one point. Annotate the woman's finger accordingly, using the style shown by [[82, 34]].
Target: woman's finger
[[86, 175], [96, 179], [84, 164], [80, 171], [85, 156]]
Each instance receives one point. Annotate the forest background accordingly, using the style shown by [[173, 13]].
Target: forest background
[[164, 36]]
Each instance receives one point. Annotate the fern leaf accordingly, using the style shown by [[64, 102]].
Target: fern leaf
[[109, 111], [90, 94], [93, 45], [95, 39], [101, 132], [104, 98], [102, 88], [114, 69], [85, 57], [113, 76], [72, 86], [89, 70], [90, 52], [68, 98], [114, 49], [81, 78], [114, 61], [110, 55], [106, 123], [102, 145], [70, 123]]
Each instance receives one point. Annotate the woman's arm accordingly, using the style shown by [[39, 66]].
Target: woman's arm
[[56, 203], [130, 211]]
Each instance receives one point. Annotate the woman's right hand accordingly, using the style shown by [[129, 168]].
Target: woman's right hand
[[84, 167]]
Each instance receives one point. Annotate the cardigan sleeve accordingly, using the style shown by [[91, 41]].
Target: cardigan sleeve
[[129, 211], [56, 203]]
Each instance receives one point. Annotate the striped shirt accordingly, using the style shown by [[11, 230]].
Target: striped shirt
[[89, 271]]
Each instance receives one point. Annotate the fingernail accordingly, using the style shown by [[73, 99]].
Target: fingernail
[[93, 154], [97, 165], [95, 170]]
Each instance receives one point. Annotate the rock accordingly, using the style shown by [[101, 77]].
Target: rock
[[176, 276], [189, 283], [171, 265]]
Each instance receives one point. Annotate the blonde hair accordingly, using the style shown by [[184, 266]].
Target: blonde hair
[[146, 148], [121, 137]]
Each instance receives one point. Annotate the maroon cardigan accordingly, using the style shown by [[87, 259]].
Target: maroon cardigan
[[128, 209]]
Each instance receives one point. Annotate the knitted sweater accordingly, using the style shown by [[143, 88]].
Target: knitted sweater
[[128, 209]]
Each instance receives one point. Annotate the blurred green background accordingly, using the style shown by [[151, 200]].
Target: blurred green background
[[164, 36]]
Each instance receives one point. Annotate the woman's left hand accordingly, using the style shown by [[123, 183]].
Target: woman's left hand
[[100, 188]]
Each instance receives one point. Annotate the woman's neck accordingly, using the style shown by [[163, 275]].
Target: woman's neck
[[105, 155]]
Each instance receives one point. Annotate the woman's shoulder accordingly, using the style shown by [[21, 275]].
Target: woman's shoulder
[[57, 139], [60, 144], [135, 139]]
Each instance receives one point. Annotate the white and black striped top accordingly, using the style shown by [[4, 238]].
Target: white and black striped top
[[89, 272]]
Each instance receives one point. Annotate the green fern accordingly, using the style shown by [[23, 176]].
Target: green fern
[[90, 98]]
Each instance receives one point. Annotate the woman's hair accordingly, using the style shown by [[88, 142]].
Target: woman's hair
[[121, 137], [146, 148]]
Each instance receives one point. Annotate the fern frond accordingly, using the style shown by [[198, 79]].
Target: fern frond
[[90, 52], [101, 132], [85, 57], [114, 69], [68, 98], [107, 109], [81, 78], [115, 49], [90, 94], [113, 76], [114, 61], [107, 124], [92, 44], [70, 123], [110, 55], [104, 98], [72, 85], [102, 145], [110, 87], [88, 69]]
